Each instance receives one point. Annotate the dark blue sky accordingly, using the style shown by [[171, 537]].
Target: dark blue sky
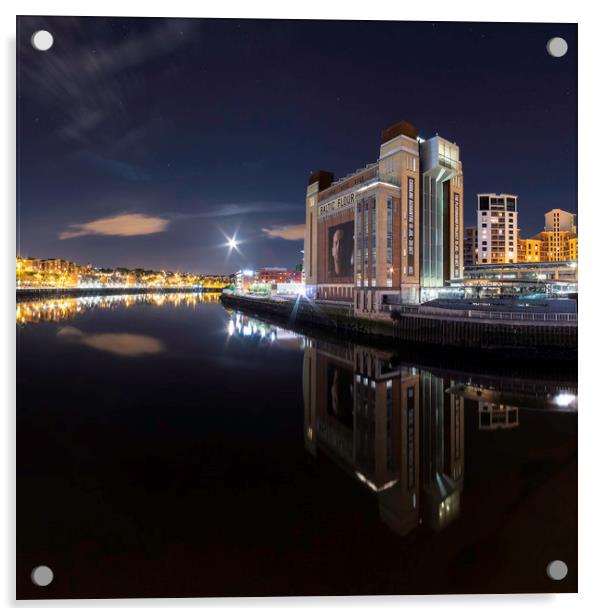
[[180, 131]]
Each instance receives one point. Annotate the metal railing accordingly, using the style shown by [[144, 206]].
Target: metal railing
[[493, 315], [523, 316]]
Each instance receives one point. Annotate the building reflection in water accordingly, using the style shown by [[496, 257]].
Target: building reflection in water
[[261, 332], [497, 416], [65, 308], [396, 428]]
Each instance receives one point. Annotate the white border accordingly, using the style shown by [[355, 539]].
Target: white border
[[590, 206]]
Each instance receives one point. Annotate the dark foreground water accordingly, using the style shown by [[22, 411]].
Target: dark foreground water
[[167, 447]]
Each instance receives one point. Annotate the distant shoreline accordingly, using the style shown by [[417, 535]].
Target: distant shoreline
[[24, 295]]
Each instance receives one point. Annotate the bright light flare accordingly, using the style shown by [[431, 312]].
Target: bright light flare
[[565, 399], [232, 243]]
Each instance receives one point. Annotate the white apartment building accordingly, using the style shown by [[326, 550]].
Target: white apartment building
[[497, 228]]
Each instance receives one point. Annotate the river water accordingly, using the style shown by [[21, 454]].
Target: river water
[[167, 447]]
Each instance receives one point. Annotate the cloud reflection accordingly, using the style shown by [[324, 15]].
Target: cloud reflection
[[128, 345]]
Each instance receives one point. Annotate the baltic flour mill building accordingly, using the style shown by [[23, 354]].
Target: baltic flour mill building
[[390, 232]]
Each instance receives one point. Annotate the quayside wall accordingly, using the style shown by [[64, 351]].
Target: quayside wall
[[456, 329]]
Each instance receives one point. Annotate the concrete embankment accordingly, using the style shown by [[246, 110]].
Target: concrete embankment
[[450, 328]]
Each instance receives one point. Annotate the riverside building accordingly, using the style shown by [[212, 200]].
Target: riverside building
[[558, 241], [390, 232], [559, 237], [497, 228]]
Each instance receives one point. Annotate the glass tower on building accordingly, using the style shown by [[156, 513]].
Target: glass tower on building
[[441, 215]]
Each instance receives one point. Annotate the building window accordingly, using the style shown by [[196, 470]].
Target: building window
[[389, 241], [358, 246], [366, 238], [448, 155], [373, 241], [311, 236]]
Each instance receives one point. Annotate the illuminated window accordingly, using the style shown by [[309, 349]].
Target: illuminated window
[[358, 245], [373, 241], [448, 155], [389, 241], [366, 238]]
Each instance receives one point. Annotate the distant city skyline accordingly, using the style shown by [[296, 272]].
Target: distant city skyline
[[151, 142]]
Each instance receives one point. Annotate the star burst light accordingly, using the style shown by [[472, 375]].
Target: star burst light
[[232, 243]]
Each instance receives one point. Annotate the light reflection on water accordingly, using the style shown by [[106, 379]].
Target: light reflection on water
[[252, 329], [220, 409], [65, 308], [398, 428]]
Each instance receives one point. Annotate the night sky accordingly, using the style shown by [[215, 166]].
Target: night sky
[[147, 142]]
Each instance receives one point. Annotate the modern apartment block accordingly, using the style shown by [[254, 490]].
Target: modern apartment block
[[558, 221], [559, 237], [391, 231], [557, 242], [497, 228], [529, 250], [470, 246]]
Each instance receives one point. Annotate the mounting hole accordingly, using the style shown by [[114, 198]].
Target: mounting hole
[[557, 47], [42, 40], [557, 570], [42, 575]]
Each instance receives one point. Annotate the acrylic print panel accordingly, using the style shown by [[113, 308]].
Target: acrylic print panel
[[295, 319]]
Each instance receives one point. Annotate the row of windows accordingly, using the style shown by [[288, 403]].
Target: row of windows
[[389, 241], [497, 203], [365, 243], [411, 163], [335, 292], [366, 239], [373, 242], [358, 246], [500, 215], [457, 181], [448, 155]]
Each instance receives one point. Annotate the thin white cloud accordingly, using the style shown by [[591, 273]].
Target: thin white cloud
[[120, 225], [238, 209], [89, 83], [286, 232]]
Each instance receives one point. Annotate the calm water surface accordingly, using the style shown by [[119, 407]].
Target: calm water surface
[[167, 447]]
